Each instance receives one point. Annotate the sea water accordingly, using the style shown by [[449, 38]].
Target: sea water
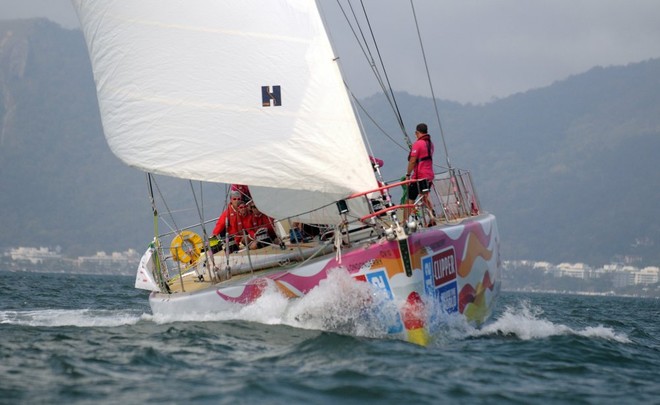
[[68, 338]]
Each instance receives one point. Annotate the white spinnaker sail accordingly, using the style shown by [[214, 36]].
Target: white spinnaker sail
[[180, 86]]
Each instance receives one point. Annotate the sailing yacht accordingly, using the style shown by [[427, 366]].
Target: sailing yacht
[[250, 92]]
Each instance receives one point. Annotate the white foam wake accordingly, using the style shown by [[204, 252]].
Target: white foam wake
[[339, 304], [70, 317], [525, 322]]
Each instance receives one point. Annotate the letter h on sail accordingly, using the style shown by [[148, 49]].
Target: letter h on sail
[[271, 97]]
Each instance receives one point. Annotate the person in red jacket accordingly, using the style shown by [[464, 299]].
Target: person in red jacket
[[261, 229], [233, 222], [244, 190]]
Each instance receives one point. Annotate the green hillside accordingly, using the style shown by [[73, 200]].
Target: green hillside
[[570, 170], [60, 184]]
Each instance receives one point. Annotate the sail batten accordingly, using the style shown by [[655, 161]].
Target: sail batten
[[242, 92]]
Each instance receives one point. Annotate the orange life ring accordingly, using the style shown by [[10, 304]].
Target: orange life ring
[[186, 247]]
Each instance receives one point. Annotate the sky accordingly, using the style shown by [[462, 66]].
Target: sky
[[477, 51]]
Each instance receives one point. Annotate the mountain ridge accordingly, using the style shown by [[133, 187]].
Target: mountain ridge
[[569, 169]]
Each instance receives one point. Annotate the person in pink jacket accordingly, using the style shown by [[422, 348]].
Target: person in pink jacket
[[420, 165]]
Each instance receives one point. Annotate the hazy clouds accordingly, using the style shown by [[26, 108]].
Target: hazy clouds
[[476, 50]]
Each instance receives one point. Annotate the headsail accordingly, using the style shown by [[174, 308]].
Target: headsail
[[227, 91]]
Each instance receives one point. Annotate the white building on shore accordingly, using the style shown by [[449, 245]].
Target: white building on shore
[[34, 255], [576, 270], [621, 275], [647, 275], [115, 258]]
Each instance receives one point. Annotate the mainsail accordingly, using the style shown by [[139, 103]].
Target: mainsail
[[244, 92]]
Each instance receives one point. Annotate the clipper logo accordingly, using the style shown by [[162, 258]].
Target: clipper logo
[[440, 278], [271, 97]]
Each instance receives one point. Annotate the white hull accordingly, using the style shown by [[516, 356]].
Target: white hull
[[454, 268]]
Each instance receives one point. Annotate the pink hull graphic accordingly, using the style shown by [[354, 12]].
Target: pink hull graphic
[[455, 267]]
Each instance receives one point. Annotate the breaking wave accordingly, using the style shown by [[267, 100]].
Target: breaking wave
[[339, 304], [525, 321]]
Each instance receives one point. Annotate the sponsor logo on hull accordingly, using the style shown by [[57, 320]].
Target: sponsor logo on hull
[[440, 279]]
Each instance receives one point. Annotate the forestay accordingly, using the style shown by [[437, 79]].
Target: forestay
[[227, 91]]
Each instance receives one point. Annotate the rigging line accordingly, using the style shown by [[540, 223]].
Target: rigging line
[[372, 162], [151, 181], [366, 52], [154, 211], [441, 166], [428, 75], [199, 211], [201, 197], [172, 230], [389, 85], [373, 121], [158, 263], [151, 195], [364, 44], [176, 227]]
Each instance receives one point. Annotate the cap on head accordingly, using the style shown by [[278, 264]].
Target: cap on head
[[422, 128]]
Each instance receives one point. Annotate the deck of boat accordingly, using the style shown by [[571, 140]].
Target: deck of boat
[[189, 280], [246, 264]]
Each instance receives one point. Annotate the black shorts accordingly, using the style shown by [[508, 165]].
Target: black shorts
[[414, 189]]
